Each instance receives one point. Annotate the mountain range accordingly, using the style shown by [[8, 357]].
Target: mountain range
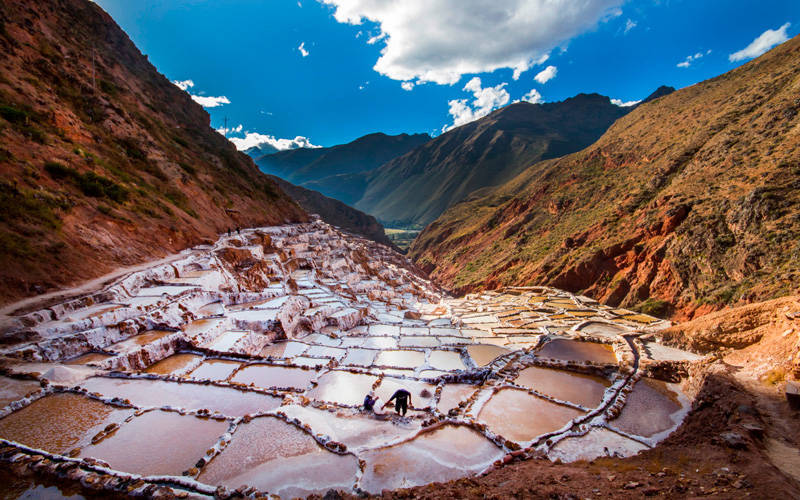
[[685, 205]]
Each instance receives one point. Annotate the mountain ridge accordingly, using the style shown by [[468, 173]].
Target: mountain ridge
[[677, 209]]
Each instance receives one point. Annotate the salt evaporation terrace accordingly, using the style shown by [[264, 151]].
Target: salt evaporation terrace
[[239, 368]]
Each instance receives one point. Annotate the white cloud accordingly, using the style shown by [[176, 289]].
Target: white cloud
[[183, 84], [441, 40], [546, 74], [763, 43], [691, 58], [533, 97], [407, 85], [209, 101], [485, 100], [624, 104], [206, 102], [302, 49], [231, 130], [253, 139], [629, 25]]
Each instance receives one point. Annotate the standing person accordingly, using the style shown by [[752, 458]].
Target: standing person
[[238, 230], [402, 400]]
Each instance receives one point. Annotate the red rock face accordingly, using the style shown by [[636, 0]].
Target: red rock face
[[111, 170]]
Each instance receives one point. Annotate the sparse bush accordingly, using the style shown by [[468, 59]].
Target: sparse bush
[[654, 307]]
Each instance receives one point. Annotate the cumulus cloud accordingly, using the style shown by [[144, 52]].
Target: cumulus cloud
[[546, 74], [441, 40], [624, 104], [533, 97], [230, 130], [254, 139], [183, 84], [690, 59], [484, 101], [629, 25], [302, 49], [205, 101], [761, 44], [209, 101], [407, 85]]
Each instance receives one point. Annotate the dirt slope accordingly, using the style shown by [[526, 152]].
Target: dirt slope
[[104, 162], [685, 205]]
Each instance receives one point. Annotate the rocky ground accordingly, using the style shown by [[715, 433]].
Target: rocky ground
[[276, 334]]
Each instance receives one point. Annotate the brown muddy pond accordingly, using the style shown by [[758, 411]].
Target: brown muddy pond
[[12, 389], [173, 365], [60, 422], [342, 387], [518, 416], [651, 407], [483, 354], [443, 454], [158, 393], [585, 390], [266, 376], [140, 340], [271, 455], [89, 357], [158, 443], [576, 350], [214, 369]]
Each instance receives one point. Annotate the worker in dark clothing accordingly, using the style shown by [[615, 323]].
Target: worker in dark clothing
[[402, 400], [369, 402]]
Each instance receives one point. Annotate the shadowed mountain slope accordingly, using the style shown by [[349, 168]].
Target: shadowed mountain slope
[[104, 162], [320, 168], [335, 212], [683, 206], [414, 189]]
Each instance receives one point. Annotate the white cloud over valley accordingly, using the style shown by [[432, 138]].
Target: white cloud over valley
[[205, 101], [485, 100], [255, 139], [624, 104], [441, 40], [761, 44]]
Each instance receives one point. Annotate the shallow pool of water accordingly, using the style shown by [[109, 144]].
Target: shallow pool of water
[[226, 341], [284, 349], [158, 443], [60, 422], [446, 360], [146, 393], [214, 369], [267, 376], [363, 357], [421, 392], [173, 365], [483, 354], [140, 340], [576, 350], [585, 390], [518, 416], [12, 389], [274, 456], [342, 387], [452, 394], [440, 455], [598, 442], [400, 359], [652, 407]]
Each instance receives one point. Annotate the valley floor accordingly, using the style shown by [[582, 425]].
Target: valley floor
[[239, 368]]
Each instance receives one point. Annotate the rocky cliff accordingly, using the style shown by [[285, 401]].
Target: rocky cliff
[[685, 205], [104, 162]]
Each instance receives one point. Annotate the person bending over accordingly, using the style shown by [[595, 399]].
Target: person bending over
[[402, 400]]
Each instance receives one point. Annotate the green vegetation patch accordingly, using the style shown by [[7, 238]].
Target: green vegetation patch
[[89, 183]]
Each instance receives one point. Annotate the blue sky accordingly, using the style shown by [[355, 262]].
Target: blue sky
[[248, 52]]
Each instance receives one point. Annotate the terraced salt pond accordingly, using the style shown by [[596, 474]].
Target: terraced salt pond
[[247, 378]]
